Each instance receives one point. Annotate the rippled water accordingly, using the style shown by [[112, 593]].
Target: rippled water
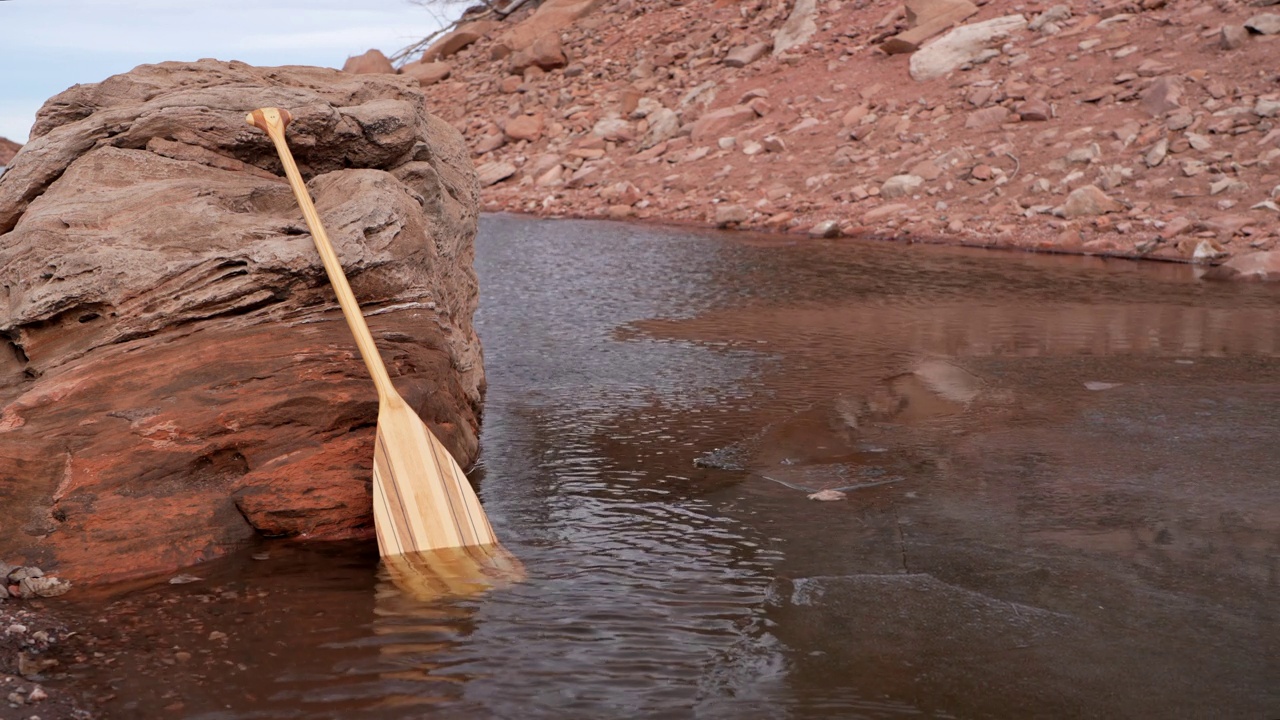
[[1062, 502]]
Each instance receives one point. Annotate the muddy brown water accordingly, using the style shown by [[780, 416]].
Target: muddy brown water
[[1062, 500]]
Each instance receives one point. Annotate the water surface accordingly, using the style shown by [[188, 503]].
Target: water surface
[[1062, 501]]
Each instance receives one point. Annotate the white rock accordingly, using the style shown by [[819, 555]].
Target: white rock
[[964, 44], [799, 27], [900, 186]]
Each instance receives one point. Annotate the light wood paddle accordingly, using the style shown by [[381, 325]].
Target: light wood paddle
[[421, 498]]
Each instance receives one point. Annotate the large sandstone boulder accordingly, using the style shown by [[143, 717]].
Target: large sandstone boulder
[[175, 376]]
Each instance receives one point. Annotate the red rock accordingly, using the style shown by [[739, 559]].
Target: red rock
[[925, 19], [8, 149], [1232, 37], [1034, 111], [713, 125], [525, 127], [1163, 96], [454, 41], [197, 388], [884, 212], [1089, 201], [854, 115], [551, 17], [987, 118], [744, 56], [373, 61], [428, 73], [545, 53]]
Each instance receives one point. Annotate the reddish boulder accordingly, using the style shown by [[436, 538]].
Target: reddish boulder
[[174, 375], [545, 53], [551, 17], [456, 40], [427, 73], [373, 61], [525, 127], [8, 149]]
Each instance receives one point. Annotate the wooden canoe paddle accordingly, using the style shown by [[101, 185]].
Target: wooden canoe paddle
[[421, 498]]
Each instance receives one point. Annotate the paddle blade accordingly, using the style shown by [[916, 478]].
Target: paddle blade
[[452, 572], [421, 498]]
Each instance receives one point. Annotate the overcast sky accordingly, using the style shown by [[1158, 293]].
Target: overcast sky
[[46, 46]]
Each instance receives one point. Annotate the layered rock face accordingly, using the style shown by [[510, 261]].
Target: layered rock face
[[175, 375]]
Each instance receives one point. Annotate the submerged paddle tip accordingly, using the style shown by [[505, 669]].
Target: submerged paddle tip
[[263, 118]]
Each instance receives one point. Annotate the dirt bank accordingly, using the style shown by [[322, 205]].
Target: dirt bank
[[1132, 129]]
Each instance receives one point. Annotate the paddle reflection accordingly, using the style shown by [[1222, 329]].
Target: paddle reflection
[[423, 605]]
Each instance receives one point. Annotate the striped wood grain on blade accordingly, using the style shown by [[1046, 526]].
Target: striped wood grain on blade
[[422, 499]]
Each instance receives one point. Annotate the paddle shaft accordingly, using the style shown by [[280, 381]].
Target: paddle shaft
[[273, 122]]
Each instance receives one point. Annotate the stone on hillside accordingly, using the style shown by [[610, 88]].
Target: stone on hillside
[[1232, 37], [373, 61], [664, 123], [825, 229], [458, 39], [492, 173], [1034, 111], [168, 325], [744, 56], [727, 215], [926, 18], [525, 127], [854, 115], [488, 143], [884, 212], [900, 186], [773, 144], [800, 26], [1179, 119], [1254, 266], [1264, 24], [427, 73], [1163, 96], [1089, 201], [1267, 108], [614, 129], [551, 17], [544, 53], [927, 170], [1053, 16], [987, 118], [1157, 153], [718, 123], [962, 45]]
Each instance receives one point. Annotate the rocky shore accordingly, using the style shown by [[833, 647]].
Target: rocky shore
[[1136, 129], [32, 642]]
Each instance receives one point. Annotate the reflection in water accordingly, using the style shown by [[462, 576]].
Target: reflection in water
[[1062, 501]]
